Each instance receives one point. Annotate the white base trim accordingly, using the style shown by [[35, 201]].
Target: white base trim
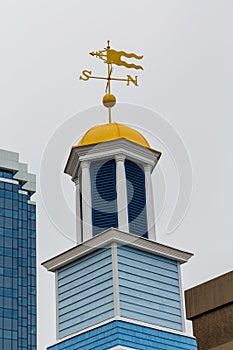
[[119, 347], [123, 319], [31, 202]]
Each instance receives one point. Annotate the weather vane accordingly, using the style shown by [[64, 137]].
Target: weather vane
[[110, 56]]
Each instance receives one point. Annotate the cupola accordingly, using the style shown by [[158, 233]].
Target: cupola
[[111, 167]]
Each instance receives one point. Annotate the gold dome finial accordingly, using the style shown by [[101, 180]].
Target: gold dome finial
[[111, 57]]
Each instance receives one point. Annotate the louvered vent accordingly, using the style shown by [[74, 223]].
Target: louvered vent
[[104, 202], [136, 199]]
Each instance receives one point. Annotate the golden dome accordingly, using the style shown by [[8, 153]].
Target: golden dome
[[112, 131]]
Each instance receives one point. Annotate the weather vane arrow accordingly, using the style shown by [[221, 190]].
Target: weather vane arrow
[[110, 56]]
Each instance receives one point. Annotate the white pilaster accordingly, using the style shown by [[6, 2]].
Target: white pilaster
[[122, 201], [149, 203], [86, 200], [115, 279], [78, 213]]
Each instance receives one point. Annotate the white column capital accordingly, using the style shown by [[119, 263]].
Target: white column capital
[[147, 168], [120, 157], [85, 164]]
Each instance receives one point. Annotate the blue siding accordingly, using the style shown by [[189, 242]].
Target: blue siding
[[128, 335], [103, 188], [149, 288], [136, 199], [85, 292]]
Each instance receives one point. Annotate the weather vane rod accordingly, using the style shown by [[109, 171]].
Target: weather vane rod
[[110, 56]]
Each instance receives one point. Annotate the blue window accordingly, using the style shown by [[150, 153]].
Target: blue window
[[136, 199], [104, 204]]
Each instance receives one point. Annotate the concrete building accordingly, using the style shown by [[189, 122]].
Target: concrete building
[[17, 255], [118, 288], [210, 307]]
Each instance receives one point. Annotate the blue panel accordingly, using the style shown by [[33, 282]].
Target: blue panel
[[149, 288], [103, 188], [136, 199], [85, 292], [119, 333]]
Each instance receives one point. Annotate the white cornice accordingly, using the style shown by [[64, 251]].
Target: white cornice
[[105, 239], [109, 149]]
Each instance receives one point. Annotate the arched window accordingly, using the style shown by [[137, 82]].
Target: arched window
[[104, 196], [136, 194]]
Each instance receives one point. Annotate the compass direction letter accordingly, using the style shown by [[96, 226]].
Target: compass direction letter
[[86, 75], [132, 80]]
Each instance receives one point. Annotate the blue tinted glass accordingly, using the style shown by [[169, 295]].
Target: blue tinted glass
[[17, 268]]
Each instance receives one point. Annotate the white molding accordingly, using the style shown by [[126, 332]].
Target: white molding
[[119, 347], [150, 210], [109, 149], [10, 181], [159, 328], [10, 161], [22, 192], [116, 295], [121, 190], [114, 235], [57, 306], [86, 201], [182, 301], [31, 202], [123, 319], [78, 212]]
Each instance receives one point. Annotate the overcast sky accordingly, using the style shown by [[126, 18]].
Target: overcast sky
[[187, 83]]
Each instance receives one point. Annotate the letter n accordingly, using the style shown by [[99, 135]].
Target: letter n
[[132, 80]]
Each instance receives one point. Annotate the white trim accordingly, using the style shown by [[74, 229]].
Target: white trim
[[114, 235], [57, 306], [88, 329], [10, 181], [86, 201], [119, 151], [22, 192], [160, 328], [78, 218], [123, 319], [119, 347], [121, 190], [150, 211], [116, 295], [109, 149], [182, 301], [31, 202]]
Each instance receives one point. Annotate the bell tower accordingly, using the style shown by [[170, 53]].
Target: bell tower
[[117, 288]]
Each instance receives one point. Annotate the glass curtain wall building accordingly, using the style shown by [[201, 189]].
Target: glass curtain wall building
[[17, 255]]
